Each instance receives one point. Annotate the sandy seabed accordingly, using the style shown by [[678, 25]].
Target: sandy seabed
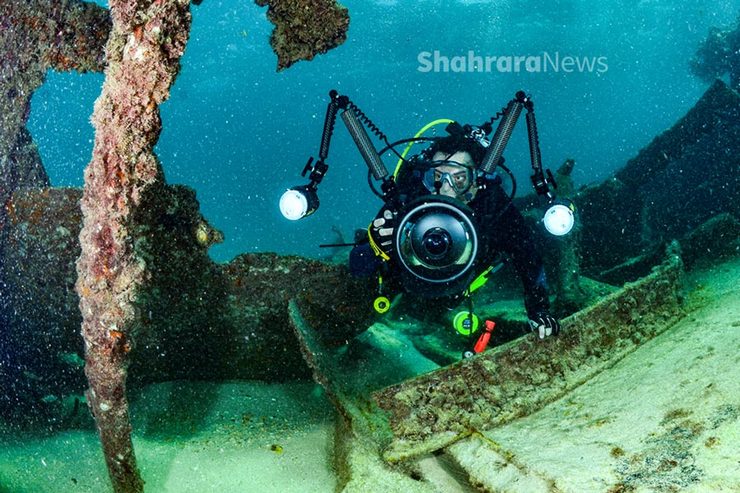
[[666, 418], [193, 437]]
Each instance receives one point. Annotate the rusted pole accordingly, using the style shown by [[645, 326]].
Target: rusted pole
[[146, 43]]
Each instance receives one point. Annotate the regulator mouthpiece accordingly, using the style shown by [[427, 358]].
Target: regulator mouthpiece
[[559, 218], [299, 202]]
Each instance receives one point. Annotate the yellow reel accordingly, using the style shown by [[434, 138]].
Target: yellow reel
[[382, 304], [466, 323]]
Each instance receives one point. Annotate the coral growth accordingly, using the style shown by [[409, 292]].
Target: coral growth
[[144, 48], [305, 28]]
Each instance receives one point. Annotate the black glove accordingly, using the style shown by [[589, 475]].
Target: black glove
[[544, 324]]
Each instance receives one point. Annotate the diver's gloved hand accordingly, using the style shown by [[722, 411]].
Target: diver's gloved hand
[[544, 324], [381, 230]]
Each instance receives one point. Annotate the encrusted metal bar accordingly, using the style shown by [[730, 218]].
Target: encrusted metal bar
[[514, 380]]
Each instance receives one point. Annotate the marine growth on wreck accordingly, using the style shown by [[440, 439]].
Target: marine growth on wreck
[[379, 246]]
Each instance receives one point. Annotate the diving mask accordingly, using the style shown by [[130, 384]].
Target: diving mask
[[460, 177]]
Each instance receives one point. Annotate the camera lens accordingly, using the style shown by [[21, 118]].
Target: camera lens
[[437, 242]]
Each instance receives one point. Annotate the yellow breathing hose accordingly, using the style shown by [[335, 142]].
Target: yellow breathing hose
[[419, 134]]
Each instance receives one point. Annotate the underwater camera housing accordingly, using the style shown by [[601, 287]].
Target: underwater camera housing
[[435, 239], [436, 242]]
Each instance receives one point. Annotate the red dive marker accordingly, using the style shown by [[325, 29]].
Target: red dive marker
[[480, 346]]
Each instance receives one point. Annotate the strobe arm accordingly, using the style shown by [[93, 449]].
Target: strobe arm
[[364, 145], [559, 217], [358, 133], [319, 169], [541, 179], [302, 200], [501, 138], [355, 120]]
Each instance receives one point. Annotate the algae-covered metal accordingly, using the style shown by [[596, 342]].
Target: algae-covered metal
[[305, 28], [35, 36], [143, 50], [514, 380]]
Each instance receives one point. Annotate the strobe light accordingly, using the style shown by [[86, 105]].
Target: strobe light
[[299, 202], [559, 217]]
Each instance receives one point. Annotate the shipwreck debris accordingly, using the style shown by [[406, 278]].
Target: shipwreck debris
[[143, 50], [361, 429], [36, 36], [435, 410], [239, 308], [719, 54], [305, 28], [692, 164]]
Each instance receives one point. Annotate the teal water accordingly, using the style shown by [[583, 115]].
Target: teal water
[[239, 133]]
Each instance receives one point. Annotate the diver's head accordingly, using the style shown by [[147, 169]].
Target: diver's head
[[452, 175], [459, 141], [451, 166]]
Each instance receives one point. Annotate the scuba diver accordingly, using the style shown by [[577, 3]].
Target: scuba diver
[[446, 218], [447, 169]]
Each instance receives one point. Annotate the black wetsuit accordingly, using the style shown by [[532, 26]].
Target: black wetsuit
[[502, 229]]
